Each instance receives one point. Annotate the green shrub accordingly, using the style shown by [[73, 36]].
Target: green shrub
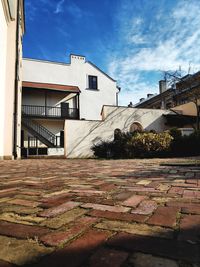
[[186, 145], [136, 144], [149, 144], [103, 149]]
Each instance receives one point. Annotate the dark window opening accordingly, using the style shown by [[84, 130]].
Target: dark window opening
[[92, 82]]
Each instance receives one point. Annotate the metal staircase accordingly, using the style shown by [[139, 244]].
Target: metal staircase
[[39, 131]]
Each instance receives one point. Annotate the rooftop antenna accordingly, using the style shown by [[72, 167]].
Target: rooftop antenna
[[189, 68]]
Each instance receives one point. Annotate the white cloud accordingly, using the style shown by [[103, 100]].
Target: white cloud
[[165, 43], [59, 7], [74, 10]]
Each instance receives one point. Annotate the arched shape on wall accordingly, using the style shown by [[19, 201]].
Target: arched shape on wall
[[136, 126]]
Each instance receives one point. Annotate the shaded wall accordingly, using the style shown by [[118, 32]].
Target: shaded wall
[[81, 135]]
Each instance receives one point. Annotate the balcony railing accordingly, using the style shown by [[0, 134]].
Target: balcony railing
[[49, 112]]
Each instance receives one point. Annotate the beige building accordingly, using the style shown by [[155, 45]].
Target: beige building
[[11, 31]]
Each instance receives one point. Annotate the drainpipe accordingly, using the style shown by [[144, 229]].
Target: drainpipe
[[16, 86]]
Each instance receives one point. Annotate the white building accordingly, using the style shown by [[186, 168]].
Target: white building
[[53, 92], [11, 32], [96, 87]]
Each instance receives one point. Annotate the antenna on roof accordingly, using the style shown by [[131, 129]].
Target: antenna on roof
[[189, 68]]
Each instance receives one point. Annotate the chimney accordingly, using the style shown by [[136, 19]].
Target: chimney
[[142, 99], [162, 86], [76, 59], [149, 95]]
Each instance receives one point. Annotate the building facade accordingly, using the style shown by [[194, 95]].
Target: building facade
[[11, 31], [176, 97], [54, 92]]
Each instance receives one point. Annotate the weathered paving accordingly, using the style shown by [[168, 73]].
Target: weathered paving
[[93, 213]]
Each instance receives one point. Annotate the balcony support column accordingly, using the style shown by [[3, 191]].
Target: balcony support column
[[78, 104], [45, 102]]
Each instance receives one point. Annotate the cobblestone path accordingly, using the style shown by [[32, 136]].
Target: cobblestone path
[[96, 213]]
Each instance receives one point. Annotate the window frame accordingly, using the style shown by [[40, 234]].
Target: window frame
[[91, 83]]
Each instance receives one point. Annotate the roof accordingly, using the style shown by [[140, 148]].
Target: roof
[[92, 64], [51, 86], [68, 64], [178, 120], [154, 98]]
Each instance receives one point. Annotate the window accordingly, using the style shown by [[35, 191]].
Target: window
[[92, 82]]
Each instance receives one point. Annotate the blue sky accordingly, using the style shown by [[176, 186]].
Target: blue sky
[[132, 40]]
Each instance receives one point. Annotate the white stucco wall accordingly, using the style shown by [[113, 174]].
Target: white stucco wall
[[3, 49], [8, 42], [81, 135], [76, 74]]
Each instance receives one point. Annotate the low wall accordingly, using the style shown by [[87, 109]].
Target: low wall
[[80, 135]]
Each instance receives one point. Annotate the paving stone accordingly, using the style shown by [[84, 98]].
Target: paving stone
[[167, 248], [21, 252], [94, 199], [163, 187], [107, 187], [8, 192], [52, 212], [57, 194], [105, 207], [176, 190], [191, 209], [88, 192], [191, 194], [12, 217], [135, 228], [4, 199], [19, 209], [144, 260], [53, 202], [161, 200], [190, 228], [24, 202], [20, 230], [58, 238], [146, 207], [108, 258], [77, 252], [133, 201], [164, 216], [105, 183], [63, 219], [189, 174], [123, 196], [144, 182], [118, 216], [26, 197]]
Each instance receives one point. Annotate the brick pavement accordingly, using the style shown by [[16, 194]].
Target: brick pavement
[[93, 213]]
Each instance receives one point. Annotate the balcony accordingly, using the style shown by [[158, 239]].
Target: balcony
[[63, 112]]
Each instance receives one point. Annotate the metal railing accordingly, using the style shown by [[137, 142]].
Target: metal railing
[[49, 112], [34, 142], [40, 131]]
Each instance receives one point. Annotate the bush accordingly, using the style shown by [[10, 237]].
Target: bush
[[103, 149], [150, 144], [186, 145], [136, 144]]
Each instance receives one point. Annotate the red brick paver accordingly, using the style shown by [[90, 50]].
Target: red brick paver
[[73, 213], [164, 216]]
